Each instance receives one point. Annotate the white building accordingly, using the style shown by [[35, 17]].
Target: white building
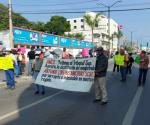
[[101, 33], [4, 39]]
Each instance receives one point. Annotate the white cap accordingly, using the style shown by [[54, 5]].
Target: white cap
[[46, 48], [37, 52], [8, 49]]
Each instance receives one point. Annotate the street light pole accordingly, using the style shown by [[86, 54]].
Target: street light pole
[[10, 25], [109, 7], [131, 38], [109, 26]]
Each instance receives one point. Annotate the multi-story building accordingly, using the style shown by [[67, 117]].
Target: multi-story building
[[101, 32]]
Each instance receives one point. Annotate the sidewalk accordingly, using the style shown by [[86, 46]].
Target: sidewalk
[[17, 79]]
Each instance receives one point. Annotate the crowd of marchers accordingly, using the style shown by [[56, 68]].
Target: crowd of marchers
[[123, 61]]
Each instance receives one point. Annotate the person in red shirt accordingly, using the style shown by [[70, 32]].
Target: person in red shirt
[[144, 62], [65, 54]]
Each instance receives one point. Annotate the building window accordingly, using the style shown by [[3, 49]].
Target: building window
[[75, 27], [82, 26], [75, 21], [82, 20]]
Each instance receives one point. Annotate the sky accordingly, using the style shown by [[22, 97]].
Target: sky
[[137, 22]]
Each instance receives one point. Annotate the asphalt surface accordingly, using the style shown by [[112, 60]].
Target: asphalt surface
[[57, 107]]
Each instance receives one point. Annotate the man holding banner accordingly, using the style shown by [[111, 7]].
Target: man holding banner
[[100, 77]]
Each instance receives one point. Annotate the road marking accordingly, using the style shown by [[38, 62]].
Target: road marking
[[128, 119], [29, 106]]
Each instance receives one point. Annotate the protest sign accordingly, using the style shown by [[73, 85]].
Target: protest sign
[[67, 74]]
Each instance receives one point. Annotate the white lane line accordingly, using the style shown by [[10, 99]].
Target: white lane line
[[128, 119], [29, 106]]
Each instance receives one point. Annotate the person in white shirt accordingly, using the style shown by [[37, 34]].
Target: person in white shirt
[[48, 53]]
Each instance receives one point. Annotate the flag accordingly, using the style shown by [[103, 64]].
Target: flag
[[120, 27]]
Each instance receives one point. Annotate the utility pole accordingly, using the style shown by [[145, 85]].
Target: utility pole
[[10, 24], [137, 45], [109, 27], [131, 38], [109, 7]]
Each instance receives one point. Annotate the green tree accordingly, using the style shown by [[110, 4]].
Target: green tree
[[57, 25], [118, 35], [20, 21], [17, 19], [78, 36], [39, 26], [92, 22], [3, 17]]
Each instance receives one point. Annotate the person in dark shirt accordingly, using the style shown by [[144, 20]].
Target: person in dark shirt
[[100, 77], [31, 56], [129, 66]]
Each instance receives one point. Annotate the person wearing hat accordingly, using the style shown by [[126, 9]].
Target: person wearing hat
[[144, 62], [31, 56], [48, 54], [37, 64], [100, 77], [9, 69]]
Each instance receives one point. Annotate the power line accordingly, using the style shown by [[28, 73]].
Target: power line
[[122, 5], [133, 4], [60, 4], [118, 10], [61, 9], [70, 3]]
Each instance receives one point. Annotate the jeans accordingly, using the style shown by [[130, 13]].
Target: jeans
[[142, 76], [38, 87], [129, 69], [19, 67], [10, 78], [30, 67], [16, 70], [115, 68], [123, 73]]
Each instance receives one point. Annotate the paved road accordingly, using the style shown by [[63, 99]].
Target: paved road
[[128, 105]]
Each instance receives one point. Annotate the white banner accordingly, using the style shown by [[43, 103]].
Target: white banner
[[67, 74]]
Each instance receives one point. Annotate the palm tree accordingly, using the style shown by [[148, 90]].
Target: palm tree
[[92, 22], [118, 35]]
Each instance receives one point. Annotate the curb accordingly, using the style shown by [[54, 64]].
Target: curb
[[2, 84], [18, 80]]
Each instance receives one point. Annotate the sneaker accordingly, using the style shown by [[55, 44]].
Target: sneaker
[[104, 103], [12, 87], [96, 100], [8, 87]]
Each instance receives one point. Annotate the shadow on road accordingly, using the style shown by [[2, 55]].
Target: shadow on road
[[69, 108]]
